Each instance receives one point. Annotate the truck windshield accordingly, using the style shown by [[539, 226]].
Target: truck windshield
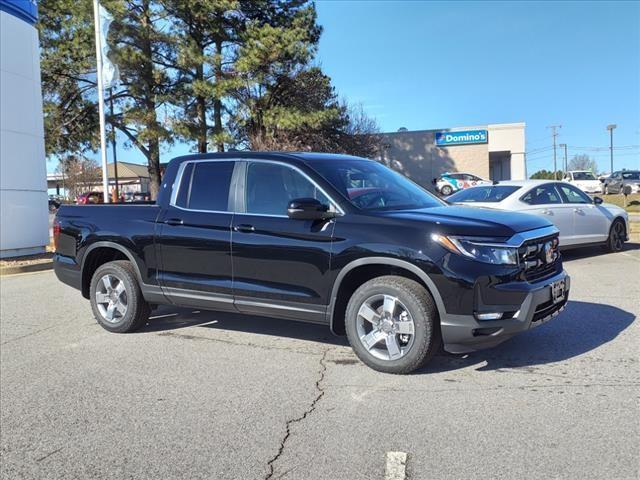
[[370, 185], [494, 193], [583, 176]]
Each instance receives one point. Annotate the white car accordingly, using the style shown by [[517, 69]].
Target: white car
[[449, 183], [581, 220], [584, 180]]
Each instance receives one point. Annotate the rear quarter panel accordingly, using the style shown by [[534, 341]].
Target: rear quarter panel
[[130, 226]]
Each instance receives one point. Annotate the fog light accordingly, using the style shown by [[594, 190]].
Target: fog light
[[489, 316]]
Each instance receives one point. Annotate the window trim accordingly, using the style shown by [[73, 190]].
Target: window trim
[[177, 183], [235, 189], [243, 190]]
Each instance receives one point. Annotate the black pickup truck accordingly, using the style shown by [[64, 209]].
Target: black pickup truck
[[328, 239]]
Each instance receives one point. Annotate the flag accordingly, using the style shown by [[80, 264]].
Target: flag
[[109, 69]]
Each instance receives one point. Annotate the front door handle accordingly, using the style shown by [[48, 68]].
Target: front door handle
[[244, 228], [174, 221], [547, 212]]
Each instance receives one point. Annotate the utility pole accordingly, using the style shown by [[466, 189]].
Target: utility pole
[[565, 157], [611, 128], [554, 130]]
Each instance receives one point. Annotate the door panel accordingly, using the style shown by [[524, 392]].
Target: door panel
[[280, 265], [589, 223], [561, 216], [195, 243], [545, 200]]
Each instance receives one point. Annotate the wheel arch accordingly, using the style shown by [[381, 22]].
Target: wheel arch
[[98, 254], [355, 273]]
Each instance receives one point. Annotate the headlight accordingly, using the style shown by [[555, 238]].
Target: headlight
[[477, 250]]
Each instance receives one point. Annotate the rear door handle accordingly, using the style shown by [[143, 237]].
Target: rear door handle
[[577, 210], [174, 221], [244, 228]]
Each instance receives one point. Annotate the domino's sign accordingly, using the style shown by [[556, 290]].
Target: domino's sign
[[467, 137]]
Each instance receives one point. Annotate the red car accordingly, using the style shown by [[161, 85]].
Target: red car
[[89, 198]]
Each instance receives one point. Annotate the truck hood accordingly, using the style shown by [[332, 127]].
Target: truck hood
[[472, 221]]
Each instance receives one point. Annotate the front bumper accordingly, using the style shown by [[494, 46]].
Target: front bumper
[[463, 333]]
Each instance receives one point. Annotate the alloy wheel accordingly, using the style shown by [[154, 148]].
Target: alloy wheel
[[385, 327], [617, 234], [111, 298]]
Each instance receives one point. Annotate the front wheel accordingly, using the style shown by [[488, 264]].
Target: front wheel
[[392, 324], [617, 235], [116, 298], [446, 191]]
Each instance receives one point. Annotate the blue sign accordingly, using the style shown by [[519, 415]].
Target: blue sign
[[467, 137], [26, 10]]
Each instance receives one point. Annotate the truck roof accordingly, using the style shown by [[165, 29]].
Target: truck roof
[[304, 156]]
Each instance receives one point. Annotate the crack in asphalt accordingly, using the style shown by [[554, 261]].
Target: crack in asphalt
[[307, 412]]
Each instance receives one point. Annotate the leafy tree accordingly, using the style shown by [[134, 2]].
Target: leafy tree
[[144, 55], [202, 32], [547, 175], [68, 71], [583, 162]]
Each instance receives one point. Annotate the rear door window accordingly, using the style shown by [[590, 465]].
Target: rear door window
[[542, 195], [209, 186]]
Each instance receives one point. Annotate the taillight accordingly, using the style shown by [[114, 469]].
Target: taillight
[[56, 233]]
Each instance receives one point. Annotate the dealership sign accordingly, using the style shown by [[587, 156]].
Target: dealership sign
[[467, 137]]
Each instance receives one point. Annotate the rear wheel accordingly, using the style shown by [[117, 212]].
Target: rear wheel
[[392, 324], [116, 298], [446, 190], [617, 235]]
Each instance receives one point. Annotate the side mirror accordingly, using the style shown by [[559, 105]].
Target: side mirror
[[308, 209], [597, 201]]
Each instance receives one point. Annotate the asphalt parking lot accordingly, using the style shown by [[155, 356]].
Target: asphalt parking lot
[[205, 395]]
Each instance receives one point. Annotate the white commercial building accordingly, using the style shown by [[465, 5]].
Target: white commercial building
[[23, 176]]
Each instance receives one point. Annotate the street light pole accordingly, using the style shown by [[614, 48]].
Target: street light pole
[[611, 128]]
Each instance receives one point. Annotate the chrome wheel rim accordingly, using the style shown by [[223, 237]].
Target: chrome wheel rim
[[618, 236], [111, 298], [385, 327]]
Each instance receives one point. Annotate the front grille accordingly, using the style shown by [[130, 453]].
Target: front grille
[[548, 308], [539, 257]]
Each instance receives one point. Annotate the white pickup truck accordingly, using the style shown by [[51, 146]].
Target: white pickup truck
[[585, 180]]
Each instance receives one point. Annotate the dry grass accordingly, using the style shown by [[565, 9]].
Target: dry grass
[[633, 201]]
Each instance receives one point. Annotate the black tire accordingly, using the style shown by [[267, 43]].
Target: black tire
[[137, 309], [446, 191], [421, 307], [617, 235]]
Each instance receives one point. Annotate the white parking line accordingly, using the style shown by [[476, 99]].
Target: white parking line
[[395, 468]]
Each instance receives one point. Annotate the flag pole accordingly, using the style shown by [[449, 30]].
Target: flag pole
[[103, 136]]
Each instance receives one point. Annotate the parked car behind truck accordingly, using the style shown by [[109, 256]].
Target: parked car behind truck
[[329, 239], [582, 221]]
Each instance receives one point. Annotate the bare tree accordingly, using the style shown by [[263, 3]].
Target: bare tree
[[80, 174], [583, 162]]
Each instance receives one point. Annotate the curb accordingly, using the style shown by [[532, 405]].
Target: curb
[[36, 267]]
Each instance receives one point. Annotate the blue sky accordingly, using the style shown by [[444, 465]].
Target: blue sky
[[427, 65], [424, 65]]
